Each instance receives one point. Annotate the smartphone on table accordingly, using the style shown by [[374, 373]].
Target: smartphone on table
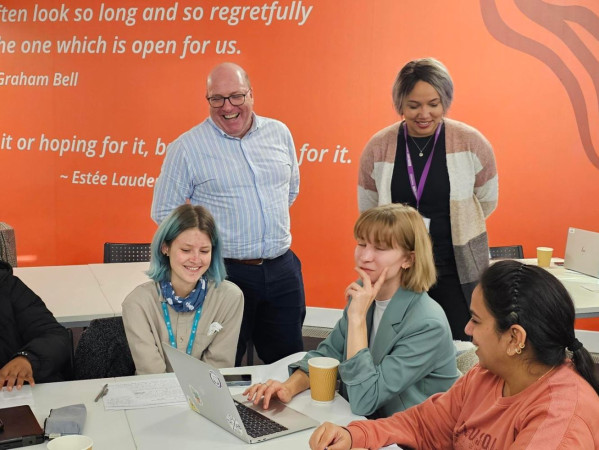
[[242, 379]]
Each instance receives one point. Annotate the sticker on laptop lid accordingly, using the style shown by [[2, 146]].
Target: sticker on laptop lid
[[215, 379], [237, 428], [196, 396], [192, 404], [231, 421]]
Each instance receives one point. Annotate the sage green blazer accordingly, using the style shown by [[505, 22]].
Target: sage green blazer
[[413, 357]]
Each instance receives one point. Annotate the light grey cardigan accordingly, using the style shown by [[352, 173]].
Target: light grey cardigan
[[473, 190]]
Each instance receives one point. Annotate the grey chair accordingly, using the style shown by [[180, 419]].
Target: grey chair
[[506, 252], [8, 246], [115, 252], [103, 351], [465, 361]]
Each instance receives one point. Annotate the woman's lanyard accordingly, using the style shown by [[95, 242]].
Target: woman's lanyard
[[417, 190], [169, 327]]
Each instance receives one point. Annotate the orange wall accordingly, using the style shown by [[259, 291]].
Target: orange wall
[[518, 78]]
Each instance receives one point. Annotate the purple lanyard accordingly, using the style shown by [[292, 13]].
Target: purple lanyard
[[418, 190]]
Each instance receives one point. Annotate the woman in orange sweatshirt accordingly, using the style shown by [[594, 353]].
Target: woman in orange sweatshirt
[[524, 393]]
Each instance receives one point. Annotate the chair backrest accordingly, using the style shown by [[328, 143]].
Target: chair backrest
[[68, 369], [508, 251], [123, 252], [103, 351], [466, 360], [8, 246]]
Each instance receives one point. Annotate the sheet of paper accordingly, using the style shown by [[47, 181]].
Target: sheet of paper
[[146, 393], [24, 396]]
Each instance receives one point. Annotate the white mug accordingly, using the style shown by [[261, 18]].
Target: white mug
[[71, 442]]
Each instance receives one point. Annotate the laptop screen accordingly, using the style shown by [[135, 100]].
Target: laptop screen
[[582, 252]]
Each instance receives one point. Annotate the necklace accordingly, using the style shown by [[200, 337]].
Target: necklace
[[421, 150], [545, 374], [506, 392]]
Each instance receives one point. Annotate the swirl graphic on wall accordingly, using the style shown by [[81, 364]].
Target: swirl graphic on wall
[[558, 20]]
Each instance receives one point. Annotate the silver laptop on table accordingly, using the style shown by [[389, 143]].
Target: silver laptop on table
[[582, 252], [208, 395]]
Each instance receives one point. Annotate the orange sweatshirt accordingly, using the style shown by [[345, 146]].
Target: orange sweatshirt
[[560, 411]]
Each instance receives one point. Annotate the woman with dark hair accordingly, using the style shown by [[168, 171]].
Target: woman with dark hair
[[188, 302], [443, 168], [34, 347], [524, 393]]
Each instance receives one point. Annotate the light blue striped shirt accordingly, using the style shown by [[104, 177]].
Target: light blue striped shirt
[[247, 184]]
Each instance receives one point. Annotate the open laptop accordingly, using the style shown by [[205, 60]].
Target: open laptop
[[208, 395], [20, 428], [582, 252]]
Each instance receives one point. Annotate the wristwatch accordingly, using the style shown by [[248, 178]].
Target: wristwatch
[[25, 354]]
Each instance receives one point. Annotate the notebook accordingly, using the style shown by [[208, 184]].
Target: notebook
[[20, 428], [582, 252], [208, 395]]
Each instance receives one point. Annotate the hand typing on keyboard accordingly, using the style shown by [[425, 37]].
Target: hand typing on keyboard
[[266, 391]]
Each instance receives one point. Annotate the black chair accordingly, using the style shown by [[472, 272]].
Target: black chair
[[103, 351], [123, 252], [249, 353], [506, 252], [69, 367]]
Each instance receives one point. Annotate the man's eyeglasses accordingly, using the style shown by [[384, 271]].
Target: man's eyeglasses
[[218, 101]]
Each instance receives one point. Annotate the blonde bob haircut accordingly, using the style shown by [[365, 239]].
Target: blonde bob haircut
[[401, 226]]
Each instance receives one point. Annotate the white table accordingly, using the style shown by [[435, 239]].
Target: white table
[[71, 293], [176, 427], [117, 280], [586, 301], [108, 429], [186, 430], [78, 294], [590, 340], [179, 427]]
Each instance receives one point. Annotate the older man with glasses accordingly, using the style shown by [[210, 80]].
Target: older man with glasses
[[244, 169]]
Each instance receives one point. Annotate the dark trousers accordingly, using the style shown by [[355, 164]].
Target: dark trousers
[[449, 294], [274, 306]]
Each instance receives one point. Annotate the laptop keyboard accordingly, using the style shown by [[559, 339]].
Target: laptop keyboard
[[257, 425]]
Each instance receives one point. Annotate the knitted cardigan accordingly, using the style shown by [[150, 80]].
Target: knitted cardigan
[[473, 190]]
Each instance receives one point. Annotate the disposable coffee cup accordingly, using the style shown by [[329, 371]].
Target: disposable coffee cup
[[544, 256], [323, 378], [71, 442]]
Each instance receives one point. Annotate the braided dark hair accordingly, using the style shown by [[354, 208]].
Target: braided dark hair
[[529, 296]]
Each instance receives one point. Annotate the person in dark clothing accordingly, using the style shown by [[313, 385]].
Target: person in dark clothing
[[33, 345]]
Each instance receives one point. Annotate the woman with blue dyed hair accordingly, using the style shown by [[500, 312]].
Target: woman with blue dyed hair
[[188, 302]]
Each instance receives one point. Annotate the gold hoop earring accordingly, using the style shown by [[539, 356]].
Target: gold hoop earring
[[518, 351], [521, 345]]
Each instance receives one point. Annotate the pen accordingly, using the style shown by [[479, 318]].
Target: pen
[[102, 393]]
